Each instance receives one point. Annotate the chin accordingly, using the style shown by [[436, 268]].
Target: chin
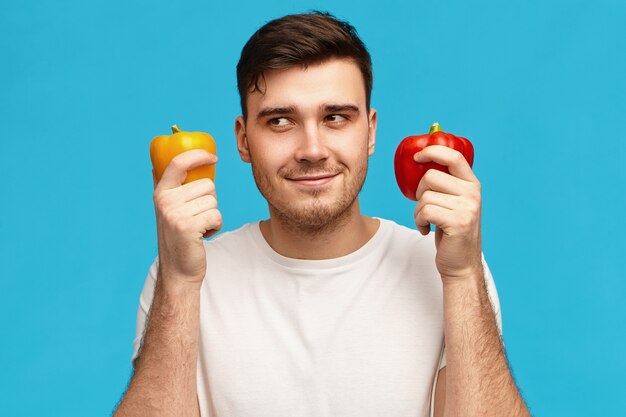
[[315, 208], [317, 214]]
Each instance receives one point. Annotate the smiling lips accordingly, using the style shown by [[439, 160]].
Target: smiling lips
[[313, 180]]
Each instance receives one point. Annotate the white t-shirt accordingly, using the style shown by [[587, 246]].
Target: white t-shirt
[[355, 336]]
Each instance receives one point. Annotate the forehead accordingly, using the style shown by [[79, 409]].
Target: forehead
[[331, 82]]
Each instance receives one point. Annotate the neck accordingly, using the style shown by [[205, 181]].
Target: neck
[[337, 238]]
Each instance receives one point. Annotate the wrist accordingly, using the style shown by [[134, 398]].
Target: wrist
[[470, 275], [466, 291], [468, 284], [176, 286]]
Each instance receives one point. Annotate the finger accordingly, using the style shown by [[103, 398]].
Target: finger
[[424, 230], [209, 222], [176, 171], [431, 214], [197, 188], [439, 199], [154, 180], [199, 205], [436, 180], [451, 158]]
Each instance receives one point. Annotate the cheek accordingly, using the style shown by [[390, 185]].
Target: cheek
[[353, 153], [269, 157]]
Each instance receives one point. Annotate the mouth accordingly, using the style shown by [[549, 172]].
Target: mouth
[[313, 180]]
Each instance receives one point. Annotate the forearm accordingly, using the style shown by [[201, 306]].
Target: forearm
[[478, 379], [164, 380]]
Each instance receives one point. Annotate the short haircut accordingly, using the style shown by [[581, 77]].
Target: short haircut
[[300, 40]]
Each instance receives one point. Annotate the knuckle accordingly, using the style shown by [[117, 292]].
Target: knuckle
[[427, 210], [476, 206], [169, 217], [208, 185], [426, 196], [202, 185], [475, 194], [180, 224], [177, 163], [217, 216], [206, 182], [214, 220], [159, 203], [162, 202], [465, 220]]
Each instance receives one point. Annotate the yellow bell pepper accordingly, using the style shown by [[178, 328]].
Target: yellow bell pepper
[[164, 148]]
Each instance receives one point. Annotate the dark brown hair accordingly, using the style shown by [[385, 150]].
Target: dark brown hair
[[300, 40]]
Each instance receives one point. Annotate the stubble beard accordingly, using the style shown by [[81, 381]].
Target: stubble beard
[[313, 216]]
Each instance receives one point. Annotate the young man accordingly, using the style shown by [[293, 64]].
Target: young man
[[319, 310]]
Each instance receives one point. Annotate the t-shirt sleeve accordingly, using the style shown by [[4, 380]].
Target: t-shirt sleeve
[[495, 303], [145, 301]]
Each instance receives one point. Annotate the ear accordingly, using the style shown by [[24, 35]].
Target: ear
[[242, 139], [371, 142]]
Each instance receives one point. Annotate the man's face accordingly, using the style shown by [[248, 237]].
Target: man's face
[[308, 138]]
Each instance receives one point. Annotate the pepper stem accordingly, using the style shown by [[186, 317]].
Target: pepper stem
[[435, 128], [175, 129]]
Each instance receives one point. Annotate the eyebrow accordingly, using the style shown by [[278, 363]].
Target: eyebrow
[[336, 108], [274, 111], [327, 108]]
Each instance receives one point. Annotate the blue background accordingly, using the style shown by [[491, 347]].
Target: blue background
[[538, 86]]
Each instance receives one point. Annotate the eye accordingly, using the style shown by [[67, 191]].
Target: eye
[[279, 121], [336, 119]]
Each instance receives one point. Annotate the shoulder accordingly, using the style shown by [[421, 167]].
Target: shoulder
[[404, 234], [408, 242], [231, 235], [237, 239], [399, 228]]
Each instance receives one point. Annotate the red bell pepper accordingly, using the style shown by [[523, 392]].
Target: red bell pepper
[[409, 172]]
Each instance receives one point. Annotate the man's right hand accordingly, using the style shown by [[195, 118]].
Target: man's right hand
[[169, 346], [185, 214]]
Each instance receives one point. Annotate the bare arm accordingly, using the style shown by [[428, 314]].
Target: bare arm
[[478, 381], [164, 381], [440, 393]]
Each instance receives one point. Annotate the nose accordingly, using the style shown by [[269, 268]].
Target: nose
[[311, 146]]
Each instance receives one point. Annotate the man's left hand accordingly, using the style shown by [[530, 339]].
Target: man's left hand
[[452, 202]]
